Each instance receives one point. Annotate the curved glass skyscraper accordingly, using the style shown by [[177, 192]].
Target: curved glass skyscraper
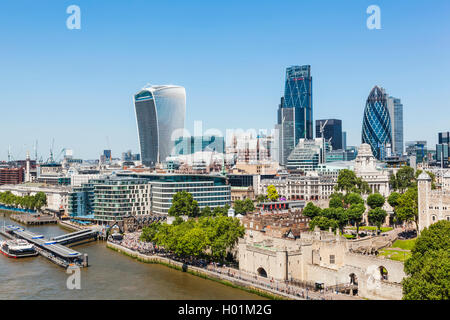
[[160, 111], [376, 128]]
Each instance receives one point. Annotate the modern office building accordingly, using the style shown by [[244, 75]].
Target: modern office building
[[332, 131], [80, 202], [295, 112], [444, 137], [190, 145], [307, 155], [395, 108], [344, 140], [443, 149], [376, 128], [417, 149], [160, 113], [116, 197], [207, 190]]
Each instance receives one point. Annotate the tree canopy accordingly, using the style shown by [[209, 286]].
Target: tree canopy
[[407, 208], [203, 237], [348, 182], [377, 216], [28, 202], [244, 206], [375, 200], [428, 268], [403, 179], [272, 193], [183, 204]]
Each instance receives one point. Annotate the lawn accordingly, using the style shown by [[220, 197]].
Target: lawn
[[395, 254], [371, 228], [404, 244]]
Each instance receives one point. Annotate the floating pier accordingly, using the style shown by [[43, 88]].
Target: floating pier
[[33, 219], [53, 248]]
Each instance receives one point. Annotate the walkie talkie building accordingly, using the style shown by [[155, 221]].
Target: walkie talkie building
[[376, 128], [160, 112]]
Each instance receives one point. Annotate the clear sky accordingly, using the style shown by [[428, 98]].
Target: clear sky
[[76, 86]]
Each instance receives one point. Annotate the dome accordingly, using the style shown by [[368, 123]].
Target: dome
[[365, 150]]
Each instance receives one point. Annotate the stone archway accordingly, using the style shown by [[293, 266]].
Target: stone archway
[[353, 284], [383, 273], [262, 272]]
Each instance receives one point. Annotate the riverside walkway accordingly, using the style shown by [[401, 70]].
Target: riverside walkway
[[237, 277]]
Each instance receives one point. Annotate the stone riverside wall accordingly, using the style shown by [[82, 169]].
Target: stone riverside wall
[[248, 286]]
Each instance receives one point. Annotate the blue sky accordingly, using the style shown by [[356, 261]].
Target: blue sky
[[76, 86]]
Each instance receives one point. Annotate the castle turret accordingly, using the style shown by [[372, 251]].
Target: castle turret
[[423, 192]]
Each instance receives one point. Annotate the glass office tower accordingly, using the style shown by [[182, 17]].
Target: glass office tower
[[295, 118], [395, 108], [376, 128], [160, 114], [332, 129]]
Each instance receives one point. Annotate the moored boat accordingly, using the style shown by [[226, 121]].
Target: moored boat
[[17, 249]]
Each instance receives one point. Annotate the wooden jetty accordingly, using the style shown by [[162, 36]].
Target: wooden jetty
[[33, 219]]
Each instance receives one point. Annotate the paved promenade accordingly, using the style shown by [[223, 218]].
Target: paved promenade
[[240, 278]]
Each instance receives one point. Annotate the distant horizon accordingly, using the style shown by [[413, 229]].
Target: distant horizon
[[77, 86]]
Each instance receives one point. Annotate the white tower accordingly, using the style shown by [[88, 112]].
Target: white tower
[[27, 173]]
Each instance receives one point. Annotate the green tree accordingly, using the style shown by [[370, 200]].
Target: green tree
[[206, 211], [40, 200], [355, 214], [261, 198], [149, 232], [249, 206], [323, 223], [428, 268], [272, 193], [346, 181], [407, 209], [375, 200], [336, 200], [393, 199], [183, 204], [403, 179], [311, 211], [353, 198], [377, 216]]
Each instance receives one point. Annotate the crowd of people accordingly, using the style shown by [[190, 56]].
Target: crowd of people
[[132, 241]]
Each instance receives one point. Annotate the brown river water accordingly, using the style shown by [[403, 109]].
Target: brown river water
[[110, 275]]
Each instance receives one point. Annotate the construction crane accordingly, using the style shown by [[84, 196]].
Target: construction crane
[[59, 155]]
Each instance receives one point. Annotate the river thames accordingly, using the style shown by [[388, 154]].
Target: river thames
[[110, 275]]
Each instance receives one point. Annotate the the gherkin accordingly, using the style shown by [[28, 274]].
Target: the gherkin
[[376, 128]]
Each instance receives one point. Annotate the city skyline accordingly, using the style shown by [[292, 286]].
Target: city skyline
[[233, 75]]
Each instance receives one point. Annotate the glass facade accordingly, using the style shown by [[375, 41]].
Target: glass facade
[[190, 145], [395, 108], [417, 149], [376, 128], [297, 121], [332, 130], [307, 155], [160, 113], [211, 191]]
